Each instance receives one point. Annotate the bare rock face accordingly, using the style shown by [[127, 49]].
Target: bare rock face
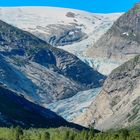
[[61, 35], [118, 104], [71, 30], [122, 41], [70, 14]]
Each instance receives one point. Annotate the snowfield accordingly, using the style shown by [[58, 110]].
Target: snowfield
[[104, 66]]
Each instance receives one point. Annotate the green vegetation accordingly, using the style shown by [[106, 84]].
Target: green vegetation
[[67, 134]]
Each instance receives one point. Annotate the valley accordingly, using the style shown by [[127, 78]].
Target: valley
[[69, 69]]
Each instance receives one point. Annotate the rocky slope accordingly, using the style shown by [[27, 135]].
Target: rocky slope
[[40, 72], [72, 30], [121, 42], [118, 104], [15, 110]]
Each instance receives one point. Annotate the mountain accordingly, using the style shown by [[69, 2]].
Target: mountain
[[37, 72], [121, 42], [71, 30], [48, 75], [67, 29], [40, 72], [118, 104]]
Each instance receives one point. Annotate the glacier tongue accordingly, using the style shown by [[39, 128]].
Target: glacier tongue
[[74, 106], [104, 66]]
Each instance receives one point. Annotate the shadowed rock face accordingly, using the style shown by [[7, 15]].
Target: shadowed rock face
[[122, 41], [71, 30], [118, 104], [53, 74], [74, 68], [16, 110], [44, 56]]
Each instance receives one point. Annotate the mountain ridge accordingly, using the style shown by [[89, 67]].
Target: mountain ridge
[[28, 114]]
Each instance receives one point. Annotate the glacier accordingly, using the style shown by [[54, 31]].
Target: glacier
[[72, 107]]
